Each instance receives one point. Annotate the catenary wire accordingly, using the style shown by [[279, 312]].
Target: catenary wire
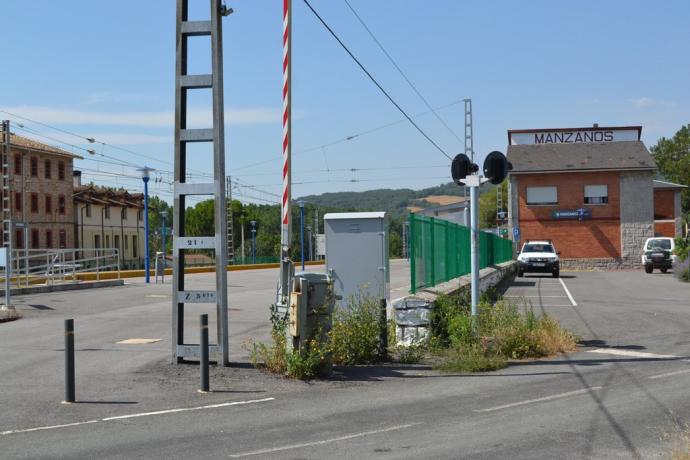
[[378, 85]]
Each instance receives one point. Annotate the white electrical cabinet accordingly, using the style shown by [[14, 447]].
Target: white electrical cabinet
[[357, 255]]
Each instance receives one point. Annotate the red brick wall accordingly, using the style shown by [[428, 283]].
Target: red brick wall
[[665, 229], [598, 237], [664, 204]]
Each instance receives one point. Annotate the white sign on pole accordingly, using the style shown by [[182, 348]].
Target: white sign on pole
[[3, 257]]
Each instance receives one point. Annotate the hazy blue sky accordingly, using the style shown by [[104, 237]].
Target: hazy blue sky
[[106, 70]]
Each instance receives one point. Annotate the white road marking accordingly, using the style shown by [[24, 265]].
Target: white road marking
[[536, 296], [157, 296], [632, 353], [537, 400], [670, 374], [324, 441], [137, 341], [565, 288], [141, 414], [52, 427]]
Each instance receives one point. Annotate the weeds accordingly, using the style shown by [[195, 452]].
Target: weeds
[[470, 358], [354, 337]]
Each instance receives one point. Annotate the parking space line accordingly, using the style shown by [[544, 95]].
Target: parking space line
[[565, 288], [545, 398], [631, 353], [669, 374]]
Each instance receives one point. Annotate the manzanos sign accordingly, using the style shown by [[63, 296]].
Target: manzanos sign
[[573, 136], [579, 214]]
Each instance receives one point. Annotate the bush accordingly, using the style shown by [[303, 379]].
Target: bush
[[469, 358], [354, 337]]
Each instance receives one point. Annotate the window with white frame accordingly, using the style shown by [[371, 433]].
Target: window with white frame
[[596, 194], [542, 195]]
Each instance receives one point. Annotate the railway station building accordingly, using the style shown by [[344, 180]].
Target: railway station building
[[592, 191]]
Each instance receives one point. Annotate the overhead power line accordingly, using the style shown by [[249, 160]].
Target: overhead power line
[[400, 71], [378, 85]]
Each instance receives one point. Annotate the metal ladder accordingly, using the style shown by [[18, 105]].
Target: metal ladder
[[228, 195], [6, 192], [215, 135]]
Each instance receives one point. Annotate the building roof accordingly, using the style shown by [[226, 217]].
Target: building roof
[[460, 206], [33, 145], [94, 194], [354, 215], [662, 184], [539, 158]]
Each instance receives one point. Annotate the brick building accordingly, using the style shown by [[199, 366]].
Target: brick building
[[591, 191], [40, 194]]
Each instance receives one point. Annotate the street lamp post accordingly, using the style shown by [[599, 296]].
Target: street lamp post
[[145, 172], [253, 224], [310, 253], [301, 230]]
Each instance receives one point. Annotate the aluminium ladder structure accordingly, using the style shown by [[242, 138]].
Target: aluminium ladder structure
[[6, 210], [183, 136]]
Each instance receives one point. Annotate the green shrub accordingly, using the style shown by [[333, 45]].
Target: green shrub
[[469, 358], [446, 308], [460, 331], [354, 337]]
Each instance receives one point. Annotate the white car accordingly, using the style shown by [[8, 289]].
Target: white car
[[538, 256], [658, 253]]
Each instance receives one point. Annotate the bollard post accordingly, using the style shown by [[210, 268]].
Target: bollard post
[[69, 361], [383, 331], [203, 354]]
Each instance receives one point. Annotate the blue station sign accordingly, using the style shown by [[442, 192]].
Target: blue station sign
[[580, 214]]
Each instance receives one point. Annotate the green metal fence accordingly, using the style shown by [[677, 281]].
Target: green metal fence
[[440, 251]]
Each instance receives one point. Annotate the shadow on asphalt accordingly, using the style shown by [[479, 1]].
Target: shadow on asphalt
[[378, 373], [106, 402], [603, 344]]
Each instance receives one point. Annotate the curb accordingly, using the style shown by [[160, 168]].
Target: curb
[[64, 287]]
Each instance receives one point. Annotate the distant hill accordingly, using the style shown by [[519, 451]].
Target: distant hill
[[393, 201]]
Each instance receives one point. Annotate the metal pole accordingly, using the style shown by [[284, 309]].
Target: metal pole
[[203, 354], [253, 224], [301, 231], [146, 229], [286, 268], [474, 253], [69, 361]]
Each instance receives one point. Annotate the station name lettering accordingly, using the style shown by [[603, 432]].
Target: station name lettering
[[573, 137]]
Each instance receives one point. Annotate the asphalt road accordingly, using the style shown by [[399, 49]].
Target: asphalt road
[[614, 398]]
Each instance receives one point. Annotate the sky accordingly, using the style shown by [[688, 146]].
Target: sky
[[105, 70]]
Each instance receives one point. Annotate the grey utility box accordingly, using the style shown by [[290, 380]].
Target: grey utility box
[[357, 254]]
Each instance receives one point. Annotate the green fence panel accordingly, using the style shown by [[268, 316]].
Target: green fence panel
[[440, 251]]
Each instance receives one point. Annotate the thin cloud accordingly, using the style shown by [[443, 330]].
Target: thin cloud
[[646, 102], [195, 117]]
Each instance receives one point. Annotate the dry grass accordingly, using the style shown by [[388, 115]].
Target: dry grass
[[443, 200], [678, 441], [553, 338]]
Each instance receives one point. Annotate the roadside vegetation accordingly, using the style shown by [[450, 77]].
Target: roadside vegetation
[[683, 251], [503, 331], [352, 340]]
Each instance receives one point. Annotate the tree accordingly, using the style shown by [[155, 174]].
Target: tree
[[672, 157], [487, 205]]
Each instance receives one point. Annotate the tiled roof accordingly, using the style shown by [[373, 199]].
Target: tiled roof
[[625, 155], [31, 144], [104, 195]]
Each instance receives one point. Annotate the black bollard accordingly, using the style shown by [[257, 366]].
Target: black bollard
[[69, 361], [383, 332], [203, 354]]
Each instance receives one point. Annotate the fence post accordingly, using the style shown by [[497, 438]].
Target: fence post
[[413, 264], [69, 361], [98, 272], [446, 251]]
